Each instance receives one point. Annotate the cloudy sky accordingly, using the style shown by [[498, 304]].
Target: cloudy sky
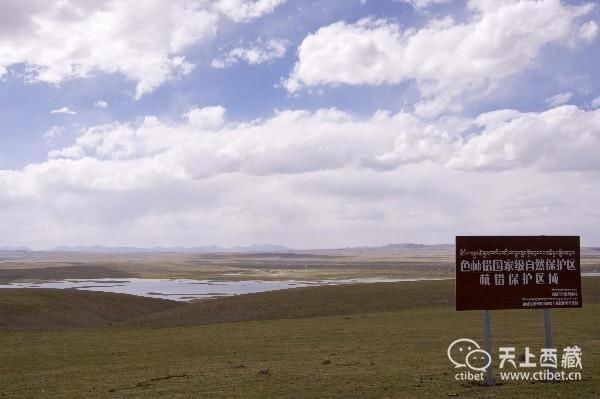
[[307, 123]]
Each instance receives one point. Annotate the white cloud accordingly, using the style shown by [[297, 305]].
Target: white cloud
[[63, 110], [244, 10], [336, 178], [493, 119], [562, 138], [596, 102], [259, 52], [73, 152], [447, 59], [146, 42], [588, 31], [559, 99], [53, 133], [205, 144], [207, 118], [289, 142], [101, 104]]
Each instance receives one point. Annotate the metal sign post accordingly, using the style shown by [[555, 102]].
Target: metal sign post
[[547, 328], [487, 346]]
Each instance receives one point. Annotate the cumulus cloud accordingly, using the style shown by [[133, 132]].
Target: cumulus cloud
[[327, 173], [289, 142], [63, 110], [209, 118], [205, 144], [259, 52], [562, 138], [596, 102], [446, 59], [146, 42], [244, 10], [588, 31]]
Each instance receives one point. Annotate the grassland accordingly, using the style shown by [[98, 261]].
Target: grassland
[[63, 309], [382, 340], [428, 262]]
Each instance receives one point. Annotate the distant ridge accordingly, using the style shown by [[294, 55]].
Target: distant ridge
[[11, 248], [9, 252], [410, 245], [400, 246], [254, 248], [206, 249]]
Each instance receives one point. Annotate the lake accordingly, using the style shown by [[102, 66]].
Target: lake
[[185, 289]]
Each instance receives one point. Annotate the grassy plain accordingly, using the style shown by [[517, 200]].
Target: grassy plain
[[232, 266], [382, 341], [427, 262]]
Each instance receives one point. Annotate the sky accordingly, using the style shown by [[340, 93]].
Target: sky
[[310, 124]]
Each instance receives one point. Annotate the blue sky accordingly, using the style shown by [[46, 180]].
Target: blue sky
[[26, 106], [363, 122]]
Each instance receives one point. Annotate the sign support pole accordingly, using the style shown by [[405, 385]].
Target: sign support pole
[[547, 328], [487, 346]]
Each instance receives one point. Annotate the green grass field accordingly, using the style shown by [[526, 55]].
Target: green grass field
[[382, 340]]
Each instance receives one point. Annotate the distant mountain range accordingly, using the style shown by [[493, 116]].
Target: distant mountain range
[[410, 245], [16, 251], [99, 249], [10, 253], [10, 248], [206, 249], [238, 249]]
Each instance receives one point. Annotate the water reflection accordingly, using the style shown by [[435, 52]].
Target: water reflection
[[185, 289]]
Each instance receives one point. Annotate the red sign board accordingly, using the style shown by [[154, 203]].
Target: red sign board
[[517, 272]]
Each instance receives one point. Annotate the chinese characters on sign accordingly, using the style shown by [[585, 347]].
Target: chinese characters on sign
[[571, 358], [516, 364], [505, 272]]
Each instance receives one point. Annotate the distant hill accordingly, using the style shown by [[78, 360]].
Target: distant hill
[[205, 249], [305, 302], [321, 301], [255, 248], [417, 246], [399, 247], [14, 253], [11, 248], [22, 308], [590, 251]]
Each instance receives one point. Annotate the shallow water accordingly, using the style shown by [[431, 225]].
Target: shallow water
[[185, 289]]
